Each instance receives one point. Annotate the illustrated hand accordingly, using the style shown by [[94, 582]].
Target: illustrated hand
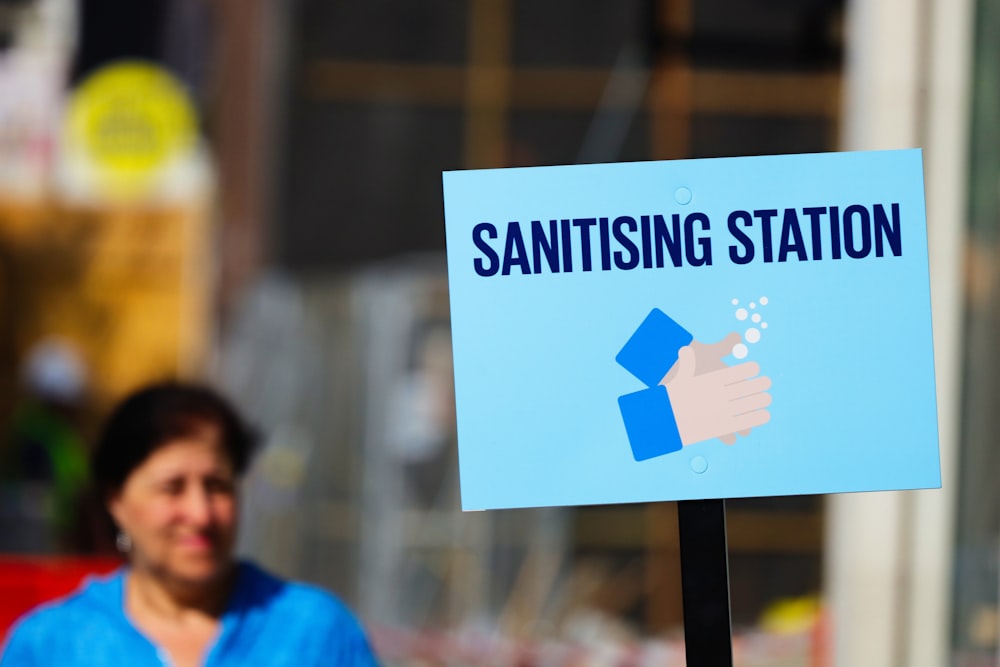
[[719, 401], [708, 357]]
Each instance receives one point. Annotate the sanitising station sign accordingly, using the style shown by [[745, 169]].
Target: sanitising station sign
[[689, 329]]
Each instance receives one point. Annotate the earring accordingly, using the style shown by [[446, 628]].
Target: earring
[[123, 542]]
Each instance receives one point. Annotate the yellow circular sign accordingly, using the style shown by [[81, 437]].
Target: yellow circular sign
[[127, 122]]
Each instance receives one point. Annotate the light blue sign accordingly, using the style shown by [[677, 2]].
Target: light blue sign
[[713, 328]]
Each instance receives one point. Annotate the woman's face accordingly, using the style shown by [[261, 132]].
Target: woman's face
[[179, 508]]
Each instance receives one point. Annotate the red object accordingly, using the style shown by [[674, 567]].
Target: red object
[[822, 647], [28, 581]]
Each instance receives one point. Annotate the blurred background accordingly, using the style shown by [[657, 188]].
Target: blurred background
[[248, 192]]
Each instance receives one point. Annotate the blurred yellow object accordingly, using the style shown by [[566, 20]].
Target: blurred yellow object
[[982, 627], [130, 287], [126, 124], [791, 615]]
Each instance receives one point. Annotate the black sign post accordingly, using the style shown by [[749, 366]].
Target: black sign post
[[705, 583]]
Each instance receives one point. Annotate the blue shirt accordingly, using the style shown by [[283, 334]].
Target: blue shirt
[[268, 622]]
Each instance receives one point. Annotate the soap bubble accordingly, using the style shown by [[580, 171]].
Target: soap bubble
[[751, 335]]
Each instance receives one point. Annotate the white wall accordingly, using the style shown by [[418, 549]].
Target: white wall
[[888, 557]]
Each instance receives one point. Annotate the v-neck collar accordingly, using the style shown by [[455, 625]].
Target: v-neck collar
[[228, 621]]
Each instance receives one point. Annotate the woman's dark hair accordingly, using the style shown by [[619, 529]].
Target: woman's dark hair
[[158, 413]]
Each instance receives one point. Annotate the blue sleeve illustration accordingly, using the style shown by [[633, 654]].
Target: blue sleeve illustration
[[649, 422], [649, 354], [652, 349]]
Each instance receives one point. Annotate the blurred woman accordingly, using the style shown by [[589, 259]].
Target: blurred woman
[[168, 464]]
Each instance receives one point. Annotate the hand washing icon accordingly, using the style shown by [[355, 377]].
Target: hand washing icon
[[691, 394]]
